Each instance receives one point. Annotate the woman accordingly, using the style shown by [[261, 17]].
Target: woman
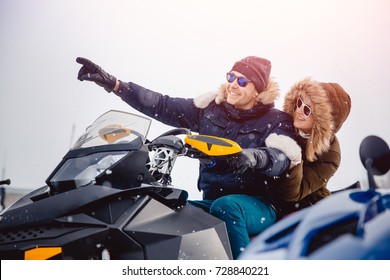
[[319, 110]]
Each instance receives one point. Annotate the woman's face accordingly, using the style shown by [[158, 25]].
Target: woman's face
[[303, 114], [241, 97]]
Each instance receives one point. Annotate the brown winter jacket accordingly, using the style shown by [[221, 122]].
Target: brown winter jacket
[[306, 184]]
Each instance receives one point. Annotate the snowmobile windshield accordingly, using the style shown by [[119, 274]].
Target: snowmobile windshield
[[78, 172], [114, 127], [119, 135]]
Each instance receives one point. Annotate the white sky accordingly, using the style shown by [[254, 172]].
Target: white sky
[[181, 48]]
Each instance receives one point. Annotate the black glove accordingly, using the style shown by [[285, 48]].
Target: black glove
[[92, 72], [248, 158]]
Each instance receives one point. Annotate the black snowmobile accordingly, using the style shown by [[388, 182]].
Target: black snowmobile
[[111, 198]]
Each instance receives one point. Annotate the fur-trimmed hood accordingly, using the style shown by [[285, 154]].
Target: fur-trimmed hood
[[330, 107], [266, 97]]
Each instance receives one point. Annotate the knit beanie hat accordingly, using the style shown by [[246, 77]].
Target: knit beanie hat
[[256, 69]]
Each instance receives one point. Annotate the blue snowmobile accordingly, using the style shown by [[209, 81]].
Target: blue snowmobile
[[352, 224]]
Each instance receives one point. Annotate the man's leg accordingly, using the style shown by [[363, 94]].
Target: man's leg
[[244, 216]]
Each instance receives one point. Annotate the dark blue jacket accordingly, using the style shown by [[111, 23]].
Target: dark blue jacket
[[249, 128]]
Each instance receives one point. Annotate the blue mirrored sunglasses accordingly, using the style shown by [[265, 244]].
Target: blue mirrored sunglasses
[[242, 81]]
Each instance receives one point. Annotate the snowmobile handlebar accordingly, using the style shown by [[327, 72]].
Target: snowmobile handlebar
[[167, 147], [5, 182]]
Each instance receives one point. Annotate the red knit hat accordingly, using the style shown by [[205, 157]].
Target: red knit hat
[[256, 69]]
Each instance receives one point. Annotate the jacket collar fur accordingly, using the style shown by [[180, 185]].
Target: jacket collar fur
[[266, 97]]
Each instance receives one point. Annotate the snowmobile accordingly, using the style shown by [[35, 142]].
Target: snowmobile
[[353, 224], [2, 193], [111, 198]]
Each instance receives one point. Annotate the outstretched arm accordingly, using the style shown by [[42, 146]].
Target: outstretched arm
[[178, 112]]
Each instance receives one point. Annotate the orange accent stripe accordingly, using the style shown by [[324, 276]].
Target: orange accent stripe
[[43, 253]]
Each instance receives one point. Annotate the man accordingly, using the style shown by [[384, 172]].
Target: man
[[240, 192]]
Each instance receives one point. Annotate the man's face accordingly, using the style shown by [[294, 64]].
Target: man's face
[[238, 96]]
